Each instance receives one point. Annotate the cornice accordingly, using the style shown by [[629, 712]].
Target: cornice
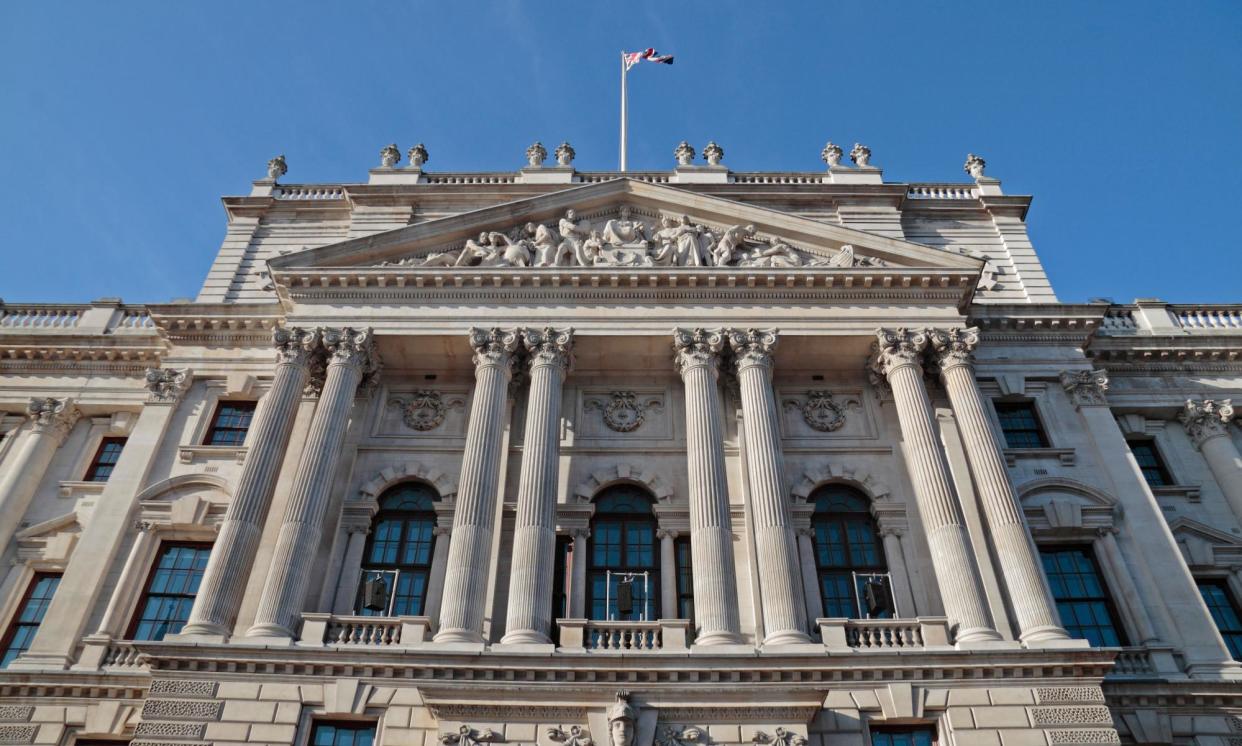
[[1152, 354], [95, 353], [1051, 324], [217, 323], [656, 286]]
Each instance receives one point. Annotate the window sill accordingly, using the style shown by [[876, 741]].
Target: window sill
[[1066, 455], [1188, 492], [189, 454], [80, 488]]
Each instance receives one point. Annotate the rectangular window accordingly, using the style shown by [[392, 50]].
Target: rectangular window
[[1082, 600], [905, 736], [230, 423], [342, 734], [29, 615], [105, 459], [1148, 458], [685, 578], [169, 593], [1224, 612], [1020, 424]]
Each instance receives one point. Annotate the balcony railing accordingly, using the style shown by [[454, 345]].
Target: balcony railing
[[331, 630], [102, 317], [1146, 662], [1159, 318], [884, 634], [594, 636]]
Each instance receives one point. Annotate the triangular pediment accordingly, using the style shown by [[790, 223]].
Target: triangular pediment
[[625, 223]]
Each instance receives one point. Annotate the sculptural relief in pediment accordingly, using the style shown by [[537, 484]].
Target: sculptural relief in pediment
[[627, 237]]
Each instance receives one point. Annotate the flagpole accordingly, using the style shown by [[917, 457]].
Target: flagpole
[[624, 107]]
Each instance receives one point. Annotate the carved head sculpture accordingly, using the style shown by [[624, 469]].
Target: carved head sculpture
[[625, 212], [571, 215], [621, 722]]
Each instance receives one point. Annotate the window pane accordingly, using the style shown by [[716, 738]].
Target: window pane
[[847, 549], [342, 734], [231, 421], [105, 459], [1020, 425], [169, 595], [1082, 600], [909, 736], [400, 550], [30, 614], [622, 544]]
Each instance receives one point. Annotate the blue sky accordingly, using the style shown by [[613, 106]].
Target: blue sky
[[124, 122]]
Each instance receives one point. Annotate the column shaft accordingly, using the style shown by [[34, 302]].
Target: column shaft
[[439, 566], [668, 575], [1114, 565], [352, 356], [351, 572], [783, 603], [228, 568], [711, 533], [810, 577], [577, 588], [1207, 424], [1024, 579], [50, 423], [956, 574], [113, 621], [465, 584], [534, 533]]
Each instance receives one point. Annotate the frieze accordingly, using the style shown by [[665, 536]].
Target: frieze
[[680, 735], [744, 714], [783, 737], [631, 240], [499, 712]]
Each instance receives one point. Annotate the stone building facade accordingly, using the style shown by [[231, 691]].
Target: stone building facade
[[687, 458]]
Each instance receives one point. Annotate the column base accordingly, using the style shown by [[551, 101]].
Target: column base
[[787, 637], [270, 631], [459, 635], [199, 630], [717, 638], [544, 648], [1058, 643], [525, 637], [972, 636], [1041, 637], [36, 662]]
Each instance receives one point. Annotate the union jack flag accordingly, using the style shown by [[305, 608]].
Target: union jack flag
[[650, 55]]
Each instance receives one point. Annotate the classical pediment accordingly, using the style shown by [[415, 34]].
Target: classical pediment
[[624, 224]]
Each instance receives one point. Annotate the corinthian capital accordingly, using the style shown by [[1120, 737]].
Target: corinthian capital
[[897, 347], [1206, 419], [53, 416], [953, 347], [353, 347], [494, 346], [753, 347], [550, 346], [294, 344], [167, 385], [698, 348], [1085, 387]]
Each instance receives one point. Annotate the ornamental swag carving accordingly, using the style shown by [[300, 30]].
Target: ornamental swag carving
[[424, 409], [575, 736], [628, 240], [625, 411], [678, 735], [783, 737], [467, 736], [821, 411]]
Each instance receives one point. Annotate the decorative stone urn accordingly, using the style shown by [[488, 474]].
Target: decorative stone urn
[[564, 154], [535, 155], [277, 167], [861, 155], [684, 153], [831, 154], [389, 156], [713, 153], [974, 166], [417, 156]]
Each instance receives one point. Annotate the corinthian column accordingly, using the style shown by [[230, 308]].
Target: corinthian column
[[534, 533], [1207, 424], [50, 423], [783, 604], [224, 580], [465, 584], [711, 533], [351, 357], [1028, 591], [897, 357]]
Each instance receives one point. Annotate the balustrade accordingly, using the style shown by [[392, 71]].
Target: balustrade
[[335, 630], [594, 636], [884, 634]]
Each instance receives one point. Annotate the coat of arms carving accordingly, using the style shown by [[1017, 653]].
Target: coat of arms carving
[[820, 411], [422, 410], [625, 411]]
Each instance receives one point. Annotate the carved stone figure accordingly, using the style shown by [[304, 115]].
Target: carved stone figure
[[688, 243], [417, 156], [677, 735], [622, 720], [572, 235], [847, 258], [831, 154], [1085, 387], [684, 153], [422, 410], [783, 737], [623, 231], [467, 736], [774, 253], [535, 155], [389, 156], [861, 155], [564, 154], [277, 167], [547, 246], [974, 166], [713, 153]]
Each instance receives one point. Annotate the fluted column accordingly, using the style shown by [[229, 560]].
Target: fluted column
[[50, 423], [711, 533], [898, 354], [1207, 423], [668, 574], [534, 532], [1122, 583], [439, 566], [577, 588], [465, 584], [228, 568], [1024, 579], [351, 356], [343, 601], [783, 603]]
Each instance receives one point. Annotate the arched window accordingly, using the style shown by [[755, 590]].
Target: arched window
[[848, 553], [622, 548], [398, 553]]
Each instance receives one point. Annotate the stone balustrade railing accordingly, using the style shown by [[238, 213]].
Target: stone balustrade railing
[[593, 636], [308, 192], [1146, 662], [331, 630], [884, 634], [1159, 318], [942, 191], [123, 655], [102, 317]]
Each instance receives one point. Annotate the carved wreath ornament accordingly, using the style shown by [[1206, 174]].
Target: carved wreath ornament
[[422, 410], [625, 412], [820, 411]]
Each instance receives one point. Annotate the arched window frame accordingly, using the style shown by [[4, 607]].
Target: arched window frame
[[865, 558], [645, 521], [402, 576]]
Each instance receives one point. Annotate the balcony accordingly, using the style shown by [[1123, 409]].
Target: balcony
[[1150, 662], [594, 636], [371, 632], [884, 635]]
